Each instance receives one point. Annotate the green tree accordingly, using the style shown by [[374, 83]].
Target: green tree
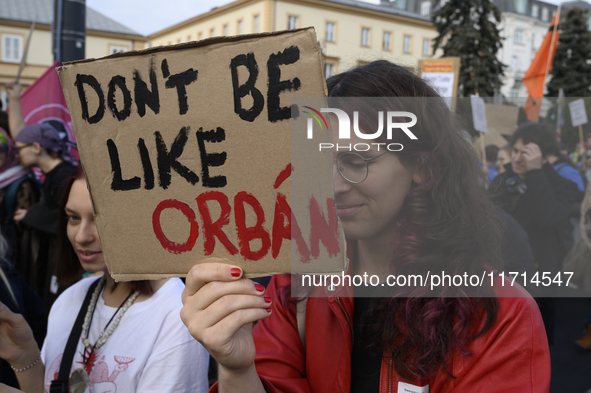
[[468, 30], [571, 69]]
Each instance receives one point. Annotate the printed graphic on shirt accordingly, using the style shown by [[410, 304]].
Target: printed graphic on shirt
[[53, 371], [100, 378]]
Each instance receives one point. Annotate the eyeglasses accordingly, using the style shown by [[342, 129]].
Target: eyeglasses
[[17, 149], [353, 167]]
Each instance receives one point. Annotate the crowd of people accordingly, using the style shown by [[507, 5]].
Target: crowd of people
[[429, 206]]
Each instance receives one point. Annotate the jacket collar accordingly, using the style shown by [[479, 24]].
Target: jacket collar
[[344, 290]]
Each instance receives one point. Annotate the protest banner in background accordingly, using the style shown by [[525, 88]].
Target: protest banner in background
[[187, 154], [578, 115], [44, 102], [443, 75]]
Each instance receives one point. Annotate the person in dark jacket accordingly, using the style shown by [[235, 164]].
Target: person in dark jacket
[[517, 254], [539, 199], [39, 145]]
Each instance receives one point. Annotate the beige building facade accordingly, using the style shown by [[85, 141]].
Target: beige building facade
[[349, 32], [103, 37]]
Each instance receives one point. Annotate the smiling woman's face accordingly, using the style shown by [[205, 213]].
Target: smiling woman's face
[[81, 228], [368, 210]]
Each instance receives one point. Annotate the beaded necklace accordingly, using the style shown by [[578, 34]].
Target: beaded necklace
[[102, 339], [79, 377]]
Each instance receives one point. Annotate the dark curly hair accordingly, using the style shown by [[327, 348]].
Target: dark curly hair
[[446, 223]]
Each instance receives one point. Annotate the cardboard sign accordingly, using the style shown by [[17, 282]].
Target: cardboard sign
[[442, 82], [578, 114], [186, 151], [478, 113], [442, 75]]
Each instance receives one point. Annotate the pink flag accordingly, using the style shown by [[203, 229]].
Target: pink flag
[[44, 102]]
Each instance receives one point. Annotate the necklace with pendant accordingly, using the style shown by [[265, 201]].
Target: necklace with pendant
[[79, 377]]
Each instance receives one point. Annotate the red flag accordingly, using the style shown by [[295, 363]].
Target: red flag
[[535, 77], [44, 102]]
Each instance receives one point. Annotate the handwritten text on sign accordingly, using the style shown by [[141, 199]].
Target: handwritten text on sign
[[170, 130]]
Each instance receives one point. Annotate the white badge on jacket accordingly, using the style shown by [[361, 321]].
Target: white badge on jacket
[[408, 388]]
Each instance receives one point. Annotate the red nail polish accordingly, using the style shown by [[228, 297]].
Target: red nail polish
[[268, 309], [235, 272], [267, 299], [259, 287]]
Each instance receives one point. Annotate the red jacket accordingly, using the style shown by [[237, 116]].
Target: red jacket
[[513, 356]]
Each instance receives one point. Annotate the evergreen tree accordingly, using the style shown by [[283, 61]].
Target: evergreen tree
[[571, 69], [468, 30]]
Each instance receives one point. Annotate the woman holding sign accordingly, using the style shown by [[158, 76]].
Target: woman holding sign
[[127, 337], [422, 208]]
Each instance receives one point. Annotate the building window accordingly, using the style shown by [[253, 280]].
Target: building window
[[225, 30], [329, 33], [255, 24], [425, 8], [200, 35], [330, 66], [401, 4], [239, 27], [387, 41], [328, 70], [514, 92], [12, 48], [515, 62], [426, 47], [211, 32], [364, 36], [518, 36], [535, 10], [515, 89], [117, 49], [545, 14], [292, 22], [406, 44], [189, 37], [521, 6]]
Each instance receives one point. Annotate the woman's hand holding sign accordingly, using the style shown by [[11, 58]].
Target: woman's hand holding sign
[[219, 310]]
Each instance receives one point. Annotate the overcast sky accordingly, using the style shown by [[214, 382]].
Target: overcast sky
[[149, 16]]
